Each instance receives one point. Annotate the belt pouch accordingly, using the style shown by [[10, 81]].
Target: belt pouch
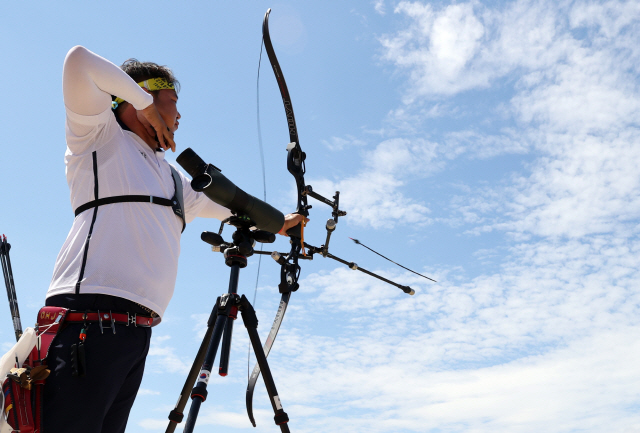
[[23, 388]]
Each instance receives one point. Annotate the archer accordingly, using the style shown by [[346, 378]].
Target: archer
[[117, 269]]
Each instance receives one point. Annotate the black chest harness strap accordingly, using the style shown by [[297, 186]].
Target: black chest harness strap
[[176, 202]]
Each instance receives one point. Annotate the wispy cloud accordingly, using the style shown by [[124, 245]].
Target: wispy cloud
[[521, 350], [379, 7], [373, 196], [468, 45], [144, 391], [339, 143], [163, 357], [576, 102]]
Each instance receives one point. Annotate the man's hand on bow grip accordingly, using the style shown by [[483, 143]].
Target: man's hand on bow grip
[[291, 225], [155, 126]]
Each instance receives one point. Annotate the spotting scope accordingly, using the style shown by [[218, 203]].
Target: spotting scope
[[207, 178]]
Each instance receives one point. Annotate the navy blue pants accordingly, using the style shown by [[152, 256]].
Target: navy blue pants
[[100, 401]]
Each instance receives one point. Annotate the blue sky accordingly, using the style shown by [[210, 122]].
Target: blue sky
[[492, 146]]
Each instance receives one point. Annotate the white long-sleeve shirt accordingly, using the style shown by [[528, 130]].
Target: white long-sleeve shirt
[[134, 247]]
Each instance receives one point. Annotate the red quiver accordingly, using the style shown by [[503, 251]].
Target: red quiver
[[23, 387]]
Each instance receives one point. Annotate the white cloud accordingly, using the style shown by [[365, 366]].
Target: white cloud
[[532, 348], [337, 143], [591, 186], [163, 358], [6, 347], [372, 197], [437, 47], [143, 391], [379, 7], [576, 102], [480, 145], [465, 46], [153, 424], [220, 416], [608, 18], [586, 94]]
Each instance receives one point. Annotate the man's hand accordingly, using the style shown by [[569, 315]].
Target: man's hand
[[291, 220], [155, 126]]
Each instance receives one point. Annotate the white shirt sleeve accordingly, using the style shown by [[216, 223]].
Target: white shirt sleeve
[[88, 81]]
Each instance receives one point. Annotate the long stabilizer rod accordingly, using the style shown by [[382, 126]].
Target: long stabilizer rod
[[408, 290]]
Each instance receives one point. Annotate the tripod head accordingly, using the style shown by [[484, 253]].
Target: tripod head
[[243, 240]]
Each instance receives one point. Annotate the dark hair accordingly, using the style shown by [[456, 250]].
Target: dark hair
[[140, 71]]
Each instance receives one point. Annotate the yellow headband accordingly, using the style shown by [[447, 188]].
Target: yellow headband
[[151, 85]]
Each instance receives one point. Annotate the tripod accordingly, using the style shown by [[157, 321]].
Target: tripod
[[220, 327]]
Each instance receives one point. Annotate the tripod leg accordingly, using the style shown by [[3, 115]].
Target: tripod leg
[[251, 323], [176, 415], [199, 392], [234, 276], [225, 350]]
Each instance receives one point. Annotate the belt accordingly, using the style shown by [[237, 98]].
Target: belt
[[101, 316]]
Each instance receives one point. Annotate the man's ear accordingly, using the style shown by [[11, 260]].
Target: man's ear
[[149, 92]]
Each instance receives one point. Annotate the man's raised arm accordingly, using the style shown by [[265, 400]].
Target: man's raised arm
[[88, 81]]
